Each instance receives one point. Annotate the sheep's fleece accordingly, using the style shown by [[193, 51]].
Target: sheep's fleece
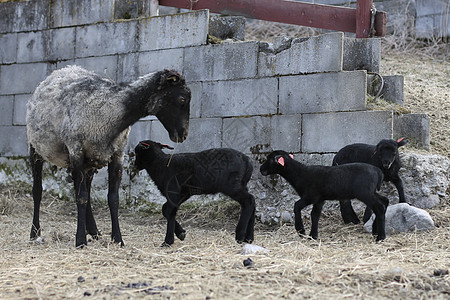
[[73, 103]]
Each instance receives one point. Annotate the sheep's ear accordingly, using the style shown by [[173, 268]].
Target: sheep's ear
[[144, 145], [166, 146], [279, 160], [173, 78], [401, 142]]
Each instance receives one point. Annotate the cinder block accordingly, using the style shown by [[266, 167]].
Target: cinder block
[[13, 141], [79, 12], [31, 46], [362, 54], [227, 27], [392, 88], [105, 66], [20, 109], [126, 9], [127, 67], [173, 31], [424, 27], [153, 61], [329, 132], [243, 134], [313, 55], [204, 133], [21, 78], [140, 130], [6, 110], [61, 44], [24, 15], [415, 127], [433, 7], [8, 48], [342, 91], [196, 102], [325, 159], [286, 132], [221, 62], [239, 97], [106, 38]]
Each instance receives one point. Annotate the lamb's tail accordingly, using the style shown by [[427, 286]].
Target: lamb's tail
[[248, 170]]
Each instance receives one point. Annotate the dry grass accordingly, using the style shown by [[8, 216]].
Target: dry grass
[[345, 263]]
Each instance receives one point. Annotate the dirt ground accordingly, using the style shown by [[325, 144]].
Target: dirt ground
[[345, 263]]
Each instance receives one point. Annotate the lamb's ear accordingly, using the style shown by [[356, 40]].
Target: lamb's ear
[[401, 142], [279, 160], [166, 146], [291, 155], [144, 145]]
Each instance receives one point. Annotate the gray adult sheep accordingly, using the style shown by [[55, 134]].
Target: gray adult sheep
[[80, 121], [181, 175]]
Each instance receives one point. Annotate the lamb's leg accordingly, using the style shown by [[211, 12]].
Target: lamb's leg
[[169, 212], [347, 212], [36, 168], [250, 234], [401, 193], [379, 210], [247, 203], [81, 197], [114, 179], [298, 206], [91, 226], [315, 215]]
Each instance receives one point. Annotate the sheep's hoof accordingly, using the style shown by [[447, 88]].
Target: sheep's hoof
[[380, 239], [165, 245], [301, 232], [182, 235]]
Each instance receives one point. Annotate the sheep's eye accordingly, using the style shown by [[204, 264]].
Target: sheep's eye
[[182, 100]]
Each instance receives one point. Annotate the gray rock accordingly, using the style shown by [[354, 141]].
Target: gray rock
[[286, 217], [403, 217]]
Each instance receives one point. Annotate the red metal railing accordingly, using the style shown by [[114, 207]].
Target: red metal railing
[[356, 20]]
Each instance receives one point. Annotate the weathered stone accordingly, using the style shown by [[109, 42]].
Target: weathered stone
[[403, 217]]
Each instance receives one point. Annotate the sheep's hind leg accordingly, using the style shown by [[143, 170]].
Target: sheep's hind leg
[[247, 203], [114, 178], [315, 215], [250, 234], [36, 168], [81, 197], [347, 212], [91, 226]]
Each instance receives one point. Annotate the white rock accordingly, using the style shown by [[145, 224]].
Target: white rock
[[252, 249], [286, 217], [403, 217]]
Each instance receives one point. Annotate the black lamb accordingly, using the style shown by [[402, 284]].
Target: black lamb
[[179, 176], [80, 121], [384, 156], [315, 184]]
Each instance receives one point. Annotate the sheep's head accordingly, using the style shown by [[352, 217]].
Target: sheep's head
[[387, 151], [146, 151], [274, 162], [175, 105]]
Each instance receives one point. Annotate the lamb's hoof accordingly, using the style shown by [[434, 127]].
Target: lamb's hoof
[[165, 245], [248, 241], [301, 232], [182, 235], [380, 239]]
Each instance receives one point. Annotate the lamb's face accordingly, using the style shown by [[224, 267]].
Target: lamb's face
[[274, 161], [143, 154], [387, 150], [176, 98]]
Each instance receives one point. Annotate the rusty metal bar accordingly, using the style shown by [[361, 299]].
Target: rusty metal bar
[[290, 12]]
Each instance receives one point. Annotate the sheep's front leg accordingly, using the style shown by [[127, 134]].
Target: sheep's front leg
[[401, 193], [90, 221], [298, 206], [169, 212], [114, 179], [315, 215], [81, 198], [347, 212], [36, 168]]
